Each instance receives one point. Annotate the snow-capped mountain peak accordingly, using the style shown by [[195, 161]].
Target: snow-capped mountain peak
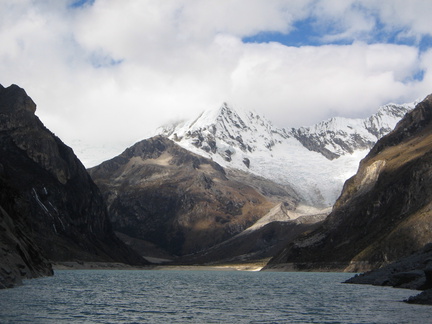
[[315, 160], [340, 136], [225, 132]]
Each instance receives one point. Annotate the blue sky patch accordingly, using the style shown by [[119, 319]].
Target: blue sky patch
[[419, 75], [425, 43], [81, 3], [309, 32], [304, 34]]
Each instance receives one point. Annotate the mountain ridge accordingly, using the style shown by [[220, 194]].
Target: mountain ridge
[[247, 141], [332, 137], [199, 158]]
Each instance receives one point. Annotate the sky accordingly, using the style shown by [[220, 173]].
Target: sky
[[106, 73]]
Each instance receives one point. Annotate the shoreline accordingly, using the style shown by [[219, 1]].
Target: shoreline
[[78, 265]]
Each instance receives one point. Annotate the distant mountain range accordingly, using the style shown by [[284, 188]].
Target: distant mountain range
[[315, 161], [228, 185]]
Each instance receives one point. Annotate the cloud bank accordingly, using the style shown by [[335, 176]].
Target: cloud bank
[[109, 72]]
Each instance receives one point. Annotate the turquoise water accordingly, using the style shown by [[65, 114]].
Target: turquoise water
[[125, 296]]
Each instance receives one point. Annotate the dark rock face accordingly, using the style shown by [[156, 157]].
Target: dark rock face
[[20, 256], [384, 211], [48, 191], [184, 203]]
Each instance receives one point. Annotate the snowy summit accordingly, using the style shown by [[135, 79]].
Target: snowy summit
[[315, 160]]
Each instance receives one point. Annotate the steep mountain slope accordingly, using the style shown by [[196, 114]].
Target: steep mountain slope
[[47, 193], [184, 203], [19, 255], [384, 211], [249, 142]]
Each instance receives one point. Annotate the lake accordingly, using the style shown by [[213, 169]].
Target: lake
[[169, 296]]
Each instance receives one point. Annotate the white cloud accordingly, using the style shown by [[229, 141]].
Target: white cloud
[[297, 86], [344, 19], [354, 19], [113, 71], [412, 17]]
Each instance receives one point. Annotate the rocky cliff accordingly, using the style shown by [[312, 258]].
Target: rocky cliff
[[384, 211], [161, 194], [48, 200], [20, 256]]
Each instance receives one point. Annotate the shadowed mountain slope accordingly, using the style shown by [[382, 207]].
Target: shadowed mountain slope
[[20, 256], [48, 200], [184, 203]]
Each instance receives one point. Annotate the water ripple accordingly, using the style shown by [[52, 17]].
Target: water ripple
[[109, 296]]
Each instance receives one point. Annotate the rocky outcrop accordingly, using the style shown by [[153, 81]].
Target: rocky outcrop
[[385, 210], [49, 202], [412, 272], [181, 202]]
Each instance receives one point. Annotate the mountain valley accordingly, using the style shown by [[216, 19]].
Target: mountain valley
[[228, 186]]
